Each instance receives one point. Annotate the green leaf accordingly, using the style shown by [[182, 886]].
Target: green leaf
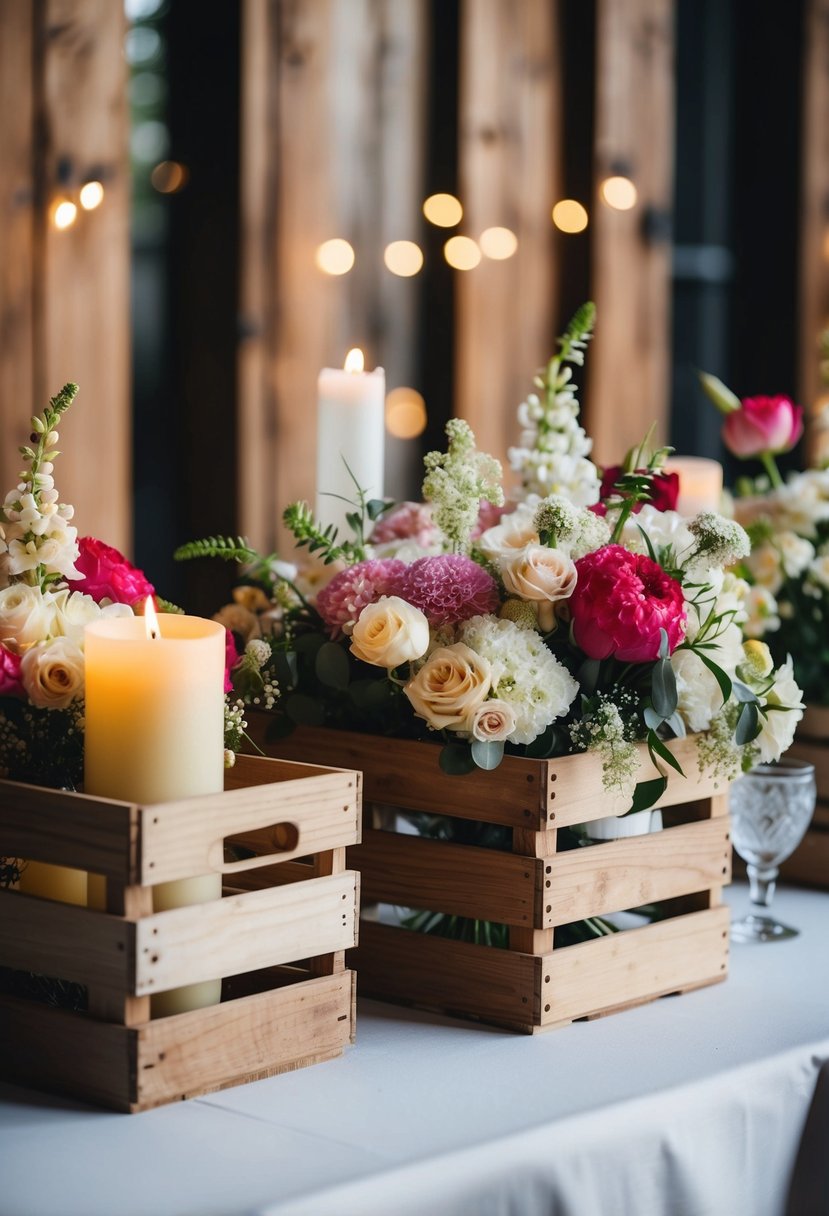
[[651, 553], [743, 693], [331, 666], [285, 669], [722, 677], [677, 724], [543, 746], [656, 745], [652, 718], [488, 754], [663, 688], [748, 723], [456, 759], [722, 396], [304, 710], [588, 675], [647, 793], [309, 643], [354, 521], [375, 507], [664, 650]]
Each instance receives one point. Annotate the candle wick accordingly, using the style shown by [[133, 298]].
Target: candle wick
[[153, 635]]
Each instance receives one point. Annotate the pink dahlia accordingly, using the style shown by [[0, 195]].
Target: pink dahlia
[[449, 588], [621, 602], [344, 598], [408, 521]]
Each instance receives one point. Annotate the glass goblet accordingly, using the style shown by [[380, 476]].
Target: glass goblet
[[771, 808]]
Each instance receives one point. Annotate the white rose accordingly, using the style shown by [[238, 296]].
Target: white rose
[[819, 571], [493, 721], [52, 673], [512, 534], [26, 614], [698, 693], [766, 567], [390, 632], [450, 686], [778, 725]]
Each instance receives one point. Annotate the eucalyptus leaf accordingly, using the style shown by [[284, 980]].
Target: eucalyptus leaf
[[588, 675], [655, 745], [331, 666], [647, 793], [677, 724], [487, 754], [376, 506], [652, 718], [304, 710], [456, 760], [664, 650], [748, 723], [285, 667], [308, 643], [743, 693], [722, 677], [663, 688]]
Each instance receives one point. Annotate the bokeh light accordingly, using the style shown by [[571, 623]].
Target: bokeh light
[[569, 215], [64, 214], [404, 258], [405, 413], [335, 256], [462, 253], [443, 210], [91, 196], [169, 176], [619, 193], [498, 243]]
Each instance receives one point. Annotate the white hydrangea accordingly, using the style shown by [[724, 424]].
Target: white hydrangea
[[524, 673]]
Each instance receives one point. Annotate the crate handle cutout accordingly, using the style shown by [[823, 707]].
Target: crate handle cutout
[[265, 845]]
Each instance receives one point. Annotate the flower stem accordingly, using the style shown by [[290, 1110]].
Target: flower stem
[[770, 465]]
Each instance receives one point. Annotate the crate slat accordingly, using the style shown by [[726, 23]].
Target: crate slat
[[61, 940], [234, 935], [74, 830]]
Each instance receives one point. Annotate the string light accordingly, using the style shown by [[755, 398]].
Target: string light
[[403, 258], [569, 215], [91, 195], [462, 253], [498, 243], [64, 214], [335, 256], [443, 210], [405, 413], [619, 193]]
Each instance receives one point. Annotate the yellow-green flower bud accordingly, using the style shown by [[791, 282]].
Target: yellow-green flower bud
[[757, 661], [521, 612]]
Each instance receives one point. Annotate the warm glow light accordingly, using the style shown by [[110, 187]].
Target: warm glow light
[[64, 214], [403, 257], [619, 193], [151, 620], [462, 252], [826, 245], [405, 413], [354, 361], [498, 243], [569, 216], [443, 210], [168, 177], [335, 256], [91, 196]]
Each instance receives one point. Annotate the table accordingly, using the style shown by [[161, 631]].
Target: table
[[691, 1106]]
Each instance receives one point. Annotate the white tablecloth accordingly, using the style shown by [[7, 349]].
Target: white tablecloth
[[690, 1106]]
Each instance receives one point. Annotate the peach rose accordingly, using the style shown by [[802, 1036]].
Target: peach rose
[[545, 576], [390, 632], [493, 721], [450, 686], [52, 673]]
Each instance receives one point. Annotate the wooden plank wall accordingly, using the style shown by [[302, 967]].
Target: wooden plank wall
[[510, 131], [634, 128], [333, 122], [814, 227], [64, 296]]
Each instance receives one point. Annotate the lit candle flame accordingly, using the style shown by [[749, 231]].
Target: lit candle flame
[[151, 620], [354, 361]]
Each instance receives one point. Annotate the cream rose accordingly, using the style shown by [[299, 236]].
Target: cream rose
[[450, 686], [493, 721], [390, 632], [512, 534], [26, 614], [545, 576], [74, 610], [52, 673]]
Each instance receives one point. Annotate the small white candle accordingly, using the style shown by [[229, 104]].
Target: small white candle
[[700, 483], [155, 733], [350, 431]]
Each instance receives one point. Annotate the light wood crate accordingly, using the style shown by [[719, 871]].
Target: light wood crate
[[532, 985], [288, 912], [809, 864]]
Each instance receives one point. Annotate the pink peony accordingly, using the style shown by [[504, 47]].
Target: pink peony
[[621, 602], [762, 426], [408, 521], [107, 575], [344, 598], [449, 588], [11, 683], [231, 659]]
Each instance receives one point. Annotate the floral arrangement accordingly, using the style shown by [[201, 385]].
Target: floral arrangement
[[52, 584], [578, 616], [788, 524]]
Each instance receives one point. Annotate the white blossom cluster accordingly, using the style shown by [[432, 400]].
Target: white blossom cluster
[[35, 532], [553, 454], [456, 481]]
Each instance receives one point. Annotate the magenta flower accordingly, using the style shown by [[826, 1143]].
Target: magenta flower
[[488, 516], [107, 575], [449, 588], [763, 426], [11, 684], [231, 659], [341, 602], [621, 602]]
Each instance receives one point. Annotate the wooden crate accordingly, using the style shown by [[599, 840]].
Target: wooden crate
[[533, 889], [809, 864], [289, 911]]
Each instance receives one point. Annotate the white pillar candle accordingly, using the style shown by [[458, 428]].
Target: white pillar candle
[[155, 733], [350, 431], [700, 483]]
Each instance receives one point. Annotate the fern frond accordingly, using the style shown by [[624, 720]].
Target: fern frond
[[228, 548]]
